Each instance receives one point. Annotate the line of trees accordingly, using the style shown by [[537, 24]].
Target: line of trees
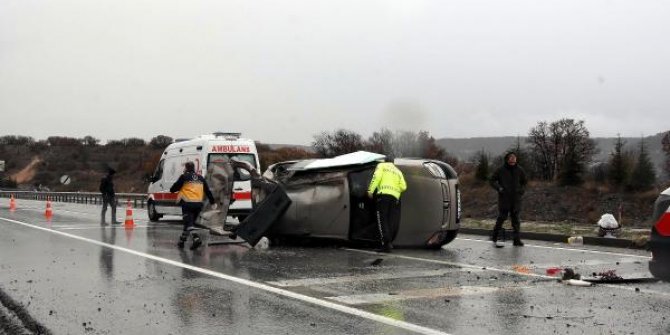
[[390, 143], [562, 152], [160, 141]]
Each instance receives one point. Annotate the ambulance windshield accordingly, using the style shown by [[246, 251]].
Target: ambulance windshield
[[219, 158]]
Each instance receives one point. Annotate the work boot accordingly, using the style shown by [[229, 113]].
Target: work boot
[[197, 242], [518, 243], [494, 235], [385, 248], [182, 241]]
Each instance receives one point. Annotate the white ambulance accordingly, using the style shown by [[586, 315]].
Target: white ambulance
[[202, 151]]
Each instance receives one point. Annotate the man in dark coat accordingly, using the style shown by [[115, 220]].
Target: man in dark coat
[[108, 196], [509, 181]]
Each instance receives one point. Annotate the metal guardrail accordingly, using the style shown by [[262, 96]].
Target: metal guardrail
[[138, 199]]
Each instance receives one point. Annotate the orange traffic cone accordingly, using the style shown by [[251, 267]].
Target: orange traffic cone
[[48, 212], [129, 233], [12, 203], [129, 215]]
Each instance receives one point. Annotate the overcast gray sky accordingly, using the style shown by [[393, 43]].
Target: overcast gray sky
[[282, 71]]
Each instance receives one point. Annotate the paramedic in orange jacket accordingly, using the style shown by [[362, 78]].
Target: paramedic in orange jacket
[[192, 188]]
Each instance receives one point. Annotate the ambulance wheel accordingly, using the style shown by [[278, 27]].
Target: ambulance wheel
[[151, 210]]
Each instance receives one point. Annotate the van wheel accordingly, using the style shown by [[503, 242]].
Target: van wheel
[[151, 210], [445, 237], [450, 236]]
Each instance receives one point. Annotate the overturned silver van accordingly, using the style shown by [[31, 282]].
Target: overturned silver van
[[328, 200]]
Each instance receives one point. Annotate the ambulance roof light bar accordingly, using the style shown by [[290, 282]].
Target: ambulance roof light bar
[[228, 136]]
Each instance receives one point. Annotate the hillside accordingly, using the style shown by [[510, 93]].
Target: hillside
[[549, 203], [465, 148], [40, 166]]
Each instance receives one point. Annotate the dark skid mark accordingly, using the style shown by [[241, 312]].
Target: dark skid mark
[[29, 326]]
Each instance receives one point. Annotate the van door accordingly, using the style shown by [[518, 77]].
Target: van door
[[172, 168], [241, 188]]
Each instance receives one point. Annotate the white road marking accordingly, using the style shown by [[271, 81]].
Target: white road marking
[[281, 292], [97, 227], [565, 249], [358, 278], [470, 266], [437, 261], [587, 262], [378, 298]]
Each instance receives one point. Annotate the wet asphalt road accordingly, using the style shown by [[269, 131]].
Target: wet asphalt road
[[76, 277]]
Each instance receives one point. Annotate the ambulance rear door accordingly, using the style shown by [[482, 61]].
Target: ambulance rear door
[[241, 188]]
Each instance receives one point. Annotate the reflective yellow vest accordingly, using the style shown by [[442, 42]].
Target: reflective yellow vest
[[387, 179]]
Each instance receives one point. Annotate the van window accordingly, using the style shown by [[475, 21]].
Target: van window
[[217, 158], [240, 174], [159, 170], [435, 170]]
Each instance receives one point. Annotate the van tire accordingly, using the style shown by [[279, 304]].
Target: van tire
[[451, 235], [151, 211], [447, 236]]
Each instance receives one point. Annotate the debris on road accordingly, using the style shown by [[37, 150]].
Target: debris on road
[[569, 273], [553, 271], [577, 282], [608, 275], [377, 261], [521, 269]]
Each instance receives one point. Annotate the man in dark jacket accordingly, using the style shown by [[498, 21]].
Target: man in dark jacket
[[192, 188], [510, 182], [108, 196]]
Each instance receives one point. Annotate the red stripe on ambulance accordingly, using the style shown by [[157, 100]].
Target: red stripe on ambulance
[[173, 196], [163, 196], [242, 195]]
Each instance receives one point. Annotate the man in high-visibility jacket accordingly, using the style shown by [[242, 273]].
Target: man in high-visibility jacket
[[387, 185], [192, 189]]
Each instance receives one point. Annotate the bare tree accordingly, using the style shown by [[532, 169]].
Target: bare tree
[[63, 141], [381, 142], [160, 141], [16, 140], [90, 141], [541, 157], [339, 142], [563, 144]]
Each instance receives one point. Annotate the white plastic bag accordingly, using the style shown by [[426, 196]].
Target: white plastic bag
[[607, 221]]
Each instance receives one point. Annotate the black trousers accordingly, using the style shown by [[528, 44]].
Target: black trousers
[[388, 218], [190, 211], [108, 200], [503, 213]]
